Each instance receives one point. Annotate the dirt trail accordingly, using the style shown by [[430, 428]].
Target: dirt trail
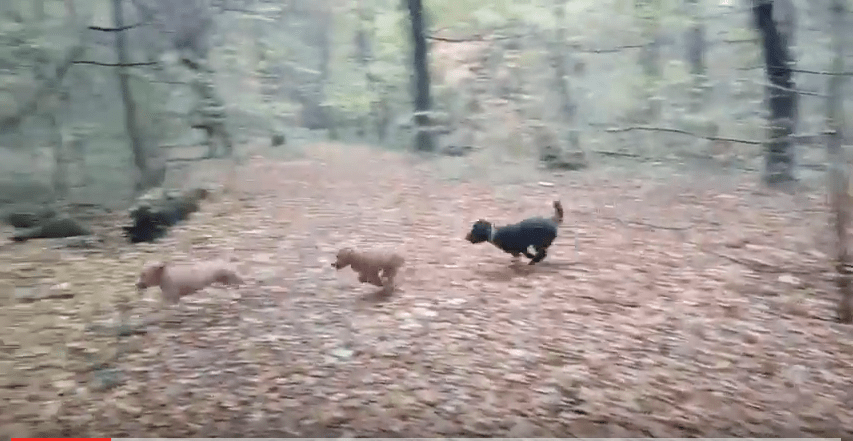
[[657, 313]]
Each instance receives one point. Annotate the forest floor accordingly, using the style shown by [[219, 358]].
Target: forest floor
[[666, 307]]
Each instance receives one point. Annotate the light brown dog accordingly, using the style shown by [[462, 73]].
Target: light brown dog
[[378, 268], [178, 280]]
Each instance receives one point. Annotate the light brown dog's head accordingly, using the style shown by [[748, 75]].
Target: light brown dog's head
[[151, 275], [344, 258]]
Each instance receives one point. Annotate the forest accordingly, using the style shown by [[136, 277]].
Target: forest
[[425, 218]]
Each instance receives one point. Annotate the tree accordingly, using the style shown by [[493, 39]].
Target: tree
[[140, 158], [696, 54], [838, 178], [782, 102], [423, 139]]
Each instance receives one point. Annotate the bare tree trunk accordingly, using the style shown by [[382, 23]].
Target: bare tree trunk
[[70, 9], [363, 44], [568, 106], [838, 177], [423, 102], [696, 56], [139, 154], [60, 159], [324, 42], [38, 9], [779, 164], [650, 54]]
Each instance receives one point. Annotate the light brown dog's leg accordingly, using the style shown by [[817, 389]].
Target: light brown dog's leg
[[388, 276], [371, 277]]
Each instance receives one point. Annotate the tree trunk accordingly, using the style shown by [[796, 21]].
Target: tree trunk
[[779, 159], [838, 176], [136, 144], [649, 13], [70, 9], [324, 24], [423, 139], [60, 159], [364, 46], [38, 10], [568, 107], [696, 56]]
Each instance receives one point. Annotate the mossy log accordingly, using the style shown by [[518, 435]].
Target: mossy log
[[54, 228]]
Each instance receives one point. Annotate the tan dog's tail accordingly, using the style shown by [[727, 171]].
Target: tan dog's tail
[[558, 212]]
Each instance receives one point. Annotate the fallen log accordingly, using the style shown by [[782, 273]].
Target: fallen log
[[54, 228], [156, 211], [27, 216]]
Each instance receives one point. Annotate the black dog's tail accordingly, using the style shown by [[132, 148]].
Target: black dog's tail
[[558, 212]]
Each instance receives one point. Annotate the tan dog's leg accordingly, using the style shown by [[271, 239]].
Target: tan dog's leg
[[371, 277], [388, 275]]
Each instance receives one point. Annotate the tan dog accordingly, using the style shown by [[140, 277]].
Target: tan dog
[[178, 280], [369, 265]]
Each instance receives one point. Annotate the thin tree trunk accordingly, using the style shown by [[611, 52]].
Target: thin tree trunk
[[325, 44], [38, 9], [779, 165], [838, 176], [696, 56], [139, 154], [423, 102], [568, 107], [60, 159], [363, 44]]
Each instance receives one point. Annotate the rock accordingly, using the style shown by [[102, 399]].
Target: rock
[[525, 429], [457, 150], [565, 161], [81, 242], [106, 379], [31, 294], [429, 397], [790, 280], [277, 140], [54, 228], [515, 377], [424, 312], [342, 353]]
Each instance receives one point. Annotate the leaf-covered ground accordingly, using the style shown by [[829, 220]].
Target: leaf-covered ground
[[665, 308]]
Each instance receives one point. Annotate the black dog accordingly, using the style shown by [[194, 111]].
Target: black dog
[[516, 239]]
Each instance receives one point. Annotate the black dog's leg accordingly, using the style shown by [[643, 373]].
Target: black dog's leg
[[528, 255], [540, 254]]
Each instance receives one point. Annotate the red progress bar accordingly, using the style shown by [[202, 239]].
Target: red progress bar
[[61, 439]]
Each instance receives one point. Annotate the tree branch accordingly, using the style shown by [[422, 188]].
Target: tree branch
[[98, 63], [469, 39], [805, 71], [123, 28], [683, 132], [47, 88]]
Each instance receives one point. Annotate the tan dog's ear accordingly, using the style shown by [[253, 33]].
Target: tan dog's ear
[[156, 273], [151, 275]]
